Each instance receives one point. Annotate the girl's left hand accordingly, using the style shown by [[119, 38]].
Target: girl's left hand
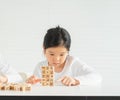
[[69, 81]]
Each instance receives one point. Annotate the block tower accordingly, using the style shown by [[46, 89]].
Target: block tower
[[47, 76]]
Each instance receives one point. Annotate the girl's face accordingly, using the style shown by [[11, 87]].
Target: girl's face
[[56, 56]]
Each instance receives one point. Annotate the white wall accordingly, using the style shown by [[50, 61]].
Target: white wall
[[94, 26]]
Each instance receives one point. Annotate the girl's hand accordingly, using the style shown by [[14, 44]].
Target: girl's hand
[[33, 80], [69, 81]]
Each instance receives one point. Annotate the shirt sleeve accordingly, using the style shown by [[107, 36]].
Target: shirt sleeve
[[13, 75], [85, 74], [8, 71], [37, 71]]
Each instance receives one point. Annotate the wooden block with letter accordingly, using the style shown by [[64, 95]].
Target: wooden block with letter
[[16, 86]]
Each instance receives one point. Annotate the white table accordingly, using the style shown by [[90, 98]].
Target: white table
[[37, 90]]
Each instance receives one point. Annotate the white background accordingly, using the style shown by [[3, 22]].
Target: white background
[[94, 26]]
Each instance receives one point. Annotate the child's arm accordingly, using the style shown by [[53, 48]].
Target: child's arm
[[80, 74], [8, 74], [86, 74], [35, 78]]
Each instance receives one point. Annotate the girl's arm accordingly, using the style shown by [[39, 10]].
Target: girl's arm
[[85, 74]]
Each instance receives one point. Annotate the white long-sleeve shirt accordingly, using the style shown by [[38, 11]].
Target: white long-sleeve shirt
[[76, 68], [8, 71]]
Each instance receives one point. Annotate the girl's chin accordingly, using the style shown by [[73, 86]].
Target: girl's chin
[[56, 65]]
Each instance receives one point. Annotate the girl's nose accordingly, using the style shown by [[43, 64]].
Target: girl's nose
[[57, 58]]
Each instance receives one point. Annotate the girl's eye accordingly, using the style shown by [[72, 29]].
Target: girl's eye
[[52, 54], [62, 55]]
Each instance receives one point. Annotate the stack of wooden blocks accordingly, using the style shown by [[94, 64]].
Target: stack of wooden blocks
[[47, 76]]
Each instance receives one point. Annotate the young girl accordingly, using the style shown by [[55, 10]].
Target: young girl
[[7, 73], [69, 70]]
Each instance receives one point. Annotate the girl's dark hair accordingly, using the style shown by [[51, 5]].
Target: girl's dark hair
[[57, 37]]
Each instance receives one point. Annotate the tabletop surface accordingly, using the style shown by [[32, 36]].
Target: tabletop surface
[[60, 90]]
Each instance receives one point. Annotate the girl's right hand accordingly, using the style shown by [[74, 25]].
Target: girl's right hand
[[33, 80]]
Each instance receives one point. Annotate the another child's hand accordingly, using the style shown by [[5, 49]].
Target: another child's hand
[[32, 80], [3, 79], [69, 81]]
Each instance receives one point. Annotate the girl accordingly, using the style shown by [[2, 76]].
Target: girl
[[69, 70]]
